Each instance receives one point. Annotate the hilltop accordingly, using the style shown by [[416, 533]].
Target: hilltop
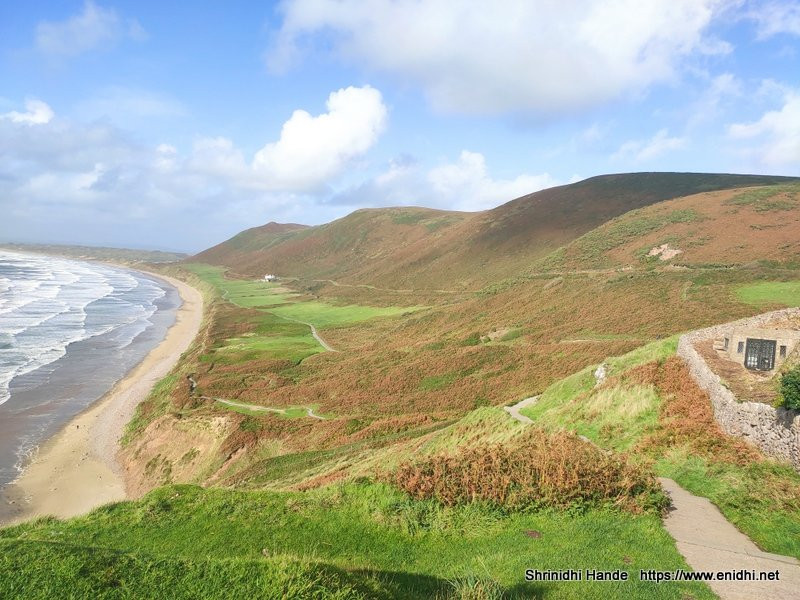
[[422, 248]]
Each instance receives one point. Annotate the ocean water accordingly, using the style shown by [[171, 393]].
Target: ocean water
[[68, 331]]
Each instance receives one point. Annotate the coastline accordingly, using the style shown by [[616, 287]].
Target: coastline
[[76, 470]]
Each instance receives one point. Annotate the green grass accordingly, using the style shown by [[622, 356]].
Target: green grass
[[287, 412], [327, 315], [48, 570], [622, 230], [770, 292], [244, 293], [763, 199], [349, 541]]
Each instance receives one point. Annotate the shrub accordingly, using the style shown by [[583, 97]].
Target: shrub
[[790, 388], [534, 470]]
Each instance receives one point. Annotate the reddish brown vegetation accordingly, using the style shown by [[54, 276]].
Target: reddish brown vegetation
[[537, 469], [687, 418]]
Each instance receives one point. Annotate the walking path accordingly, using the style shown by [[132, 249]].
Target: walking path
[[514, 410], [709, 542], [282, 411], [314, 332]]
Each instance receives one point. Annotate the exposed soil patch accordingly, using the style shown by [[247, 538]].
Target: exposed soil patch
[[664, 252]]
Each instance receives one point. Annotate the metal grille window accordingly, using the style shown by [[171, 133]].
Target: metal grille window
[[740, 348], [760, 354], [783, 351]]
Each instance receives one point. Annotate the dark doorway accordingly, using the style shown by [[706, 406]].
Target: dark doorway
[[760, 354]]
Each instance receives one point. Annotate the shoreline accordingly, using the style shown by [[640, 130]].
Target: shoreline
[[76, 470]]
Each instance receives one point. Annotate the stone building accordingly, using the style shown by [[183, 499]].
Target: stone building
[[759, 349]]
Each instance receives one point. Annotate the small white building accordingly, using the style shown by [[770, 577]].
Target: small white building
[[270, 277]]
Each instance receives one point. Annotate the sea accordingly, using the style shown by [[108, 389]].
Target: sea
[[69, 330]]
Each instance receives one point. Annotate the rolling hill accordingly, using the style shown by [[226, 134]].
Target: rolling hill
[[423, 248]]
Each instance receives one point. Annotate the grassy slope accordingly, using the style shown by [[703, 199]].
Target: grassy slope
[[363, 536], [714, 228], [425, 249], [760, 497]]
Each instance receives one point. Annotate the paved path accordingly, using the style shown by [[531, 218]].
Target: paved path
[[514, 410], [709, 542]]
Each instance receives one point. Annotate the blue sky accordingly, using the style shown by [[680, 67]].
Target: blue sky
[[175, 125]]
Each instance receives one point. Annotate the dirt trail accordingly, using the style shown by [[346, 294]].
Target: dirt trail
[[258, 407], [314, 332]]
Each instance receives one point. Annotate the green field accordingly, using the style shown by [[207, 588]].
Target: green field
[[360, 540], [281, 327], [770, 292]]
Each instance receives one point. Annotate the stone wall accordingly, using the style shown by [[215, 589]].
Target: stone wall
[[775, 431]]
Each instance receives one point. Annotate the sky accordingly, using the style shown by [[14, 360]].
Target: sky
[[175, 125]]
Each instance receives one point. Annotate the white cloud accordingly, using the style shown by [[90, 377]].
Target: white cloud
[[38, 113], [461, 185], [772, 18], [643, 150], [544, 57], [312, 150], [467, 184], [94, 27], [778, 132], [60, 177]]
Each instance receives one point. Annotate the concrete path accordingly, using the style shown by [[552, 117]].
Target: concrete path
[[514, 410], [709, 542]]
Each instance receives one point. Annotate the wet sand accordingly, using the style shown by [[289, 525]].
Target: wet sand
[[76, 470]]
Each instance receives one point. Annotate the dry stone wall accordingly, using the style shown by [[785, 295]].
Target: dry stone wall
[[775, 431]]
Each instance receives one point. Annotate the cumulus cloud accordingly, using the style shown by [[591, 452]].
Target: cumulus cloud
[[311, 150], [464, 184], [541, 57], [64, 175], [643, 150], [94, 27], [776, 133], [37, 113]]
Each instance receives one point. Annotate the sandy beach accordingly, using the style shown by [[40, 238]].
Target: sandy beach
[[76, 470]]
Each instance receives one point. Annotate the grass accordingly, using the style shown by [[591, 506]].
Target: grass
[[770, 292], [627, 413], [324, 315], [288, 412], [632, 225], [765, 199], [349, 541]]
